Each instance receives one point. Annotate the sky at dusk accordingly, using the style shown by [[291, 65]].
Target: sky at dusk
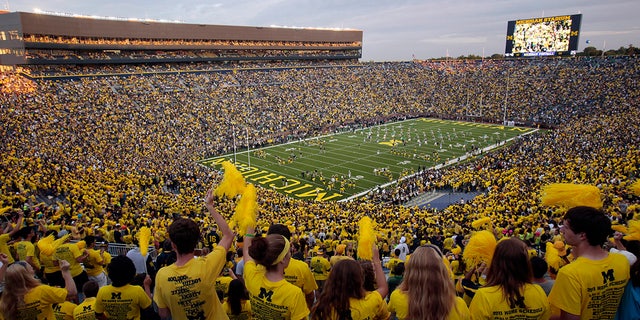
[[392, 30]]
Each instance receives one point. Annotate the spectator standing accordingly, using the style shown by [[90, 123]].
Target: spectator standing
[[121, 299], [86, 310], [71, 253], [24, 296], [8, 233], [345, 297], [320, 268], [25, 250], [394, 280], [509, 292], [595, 275], [404, 249], [271, 296], [540, 268], [167, 256], [237, 305], [95, 263], [427, 290], [190, 279], [297, 272]]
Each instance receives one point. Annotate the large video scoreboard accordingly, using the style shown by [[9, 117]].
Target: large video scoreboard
[[548, 36]]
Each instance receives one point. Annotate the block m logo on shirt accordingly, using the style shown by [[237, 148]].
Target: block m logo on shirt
[[116, 295], [265, 295], [607, 276]]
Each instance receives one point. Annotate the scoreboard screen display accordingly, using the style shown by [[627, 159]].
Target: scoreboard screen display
[[548, 36]]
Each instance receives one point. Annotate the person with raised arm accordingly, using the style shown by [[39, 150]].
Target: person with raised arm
[[24, 296], [186, 288]]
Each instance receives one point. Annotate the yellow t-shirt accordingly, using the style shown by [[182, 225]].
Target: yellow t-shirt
[[245, 312], [391, 264], [222, 284], [64, 310], [583, 281], [399, 303], [86, 310], [189, 291], [69, 252], [93, 264], [489, 303], [299, 274], [38, 303], [273, 300], [371, 307], [320, 267], [122, 302], [47, 263], [4, 247], [26, 249]]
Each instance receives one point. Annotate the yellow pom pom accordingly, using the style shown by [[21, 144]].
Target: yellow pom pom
[[232, 183], [552, 257], [620, 228], [481, 222], [246, 210], [633, 232], [144, 237], [571, 195], [5, 209], [46, 245], [480, 248], [366, 238]]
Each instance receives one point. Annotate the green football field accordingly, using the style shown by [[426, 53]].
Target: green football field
[[345, 165]]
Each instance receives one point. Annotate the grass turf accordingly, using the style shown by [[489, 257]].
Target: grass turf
[[345, 165]]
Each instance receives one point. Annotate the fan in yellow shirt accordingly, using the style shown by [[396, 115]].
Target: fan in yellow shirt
[[601, 274], [270, 294], [427, 291], [509, 292], [344, 295], [185, 289], [121, 300], [25, 297], [297, 272], [86, 310], [237, 305]]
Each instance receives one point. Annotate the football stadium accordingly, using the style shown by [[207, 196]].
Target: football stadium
[[117, 133]]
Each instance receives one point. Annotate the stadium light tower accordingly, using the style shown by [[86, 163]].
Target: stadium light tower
[[506, 95]]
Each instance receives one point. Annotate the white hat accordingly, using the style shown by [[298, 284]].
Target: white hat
[[403, 240]]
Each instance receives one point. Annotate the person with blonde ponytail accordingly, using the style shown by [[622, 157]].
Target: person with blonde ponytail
[[25, 297], [427, 290]]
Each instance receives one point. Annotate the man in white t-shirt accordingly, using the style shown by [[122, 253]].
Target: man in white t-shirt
[[404, 249]]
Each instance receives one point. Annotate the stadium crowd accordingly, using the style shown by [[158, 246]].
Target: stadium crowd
[[106, 155]]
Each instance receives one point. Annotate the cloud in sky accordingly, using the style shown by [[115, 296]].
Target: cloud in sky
[[455, 38], [392, 30]]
